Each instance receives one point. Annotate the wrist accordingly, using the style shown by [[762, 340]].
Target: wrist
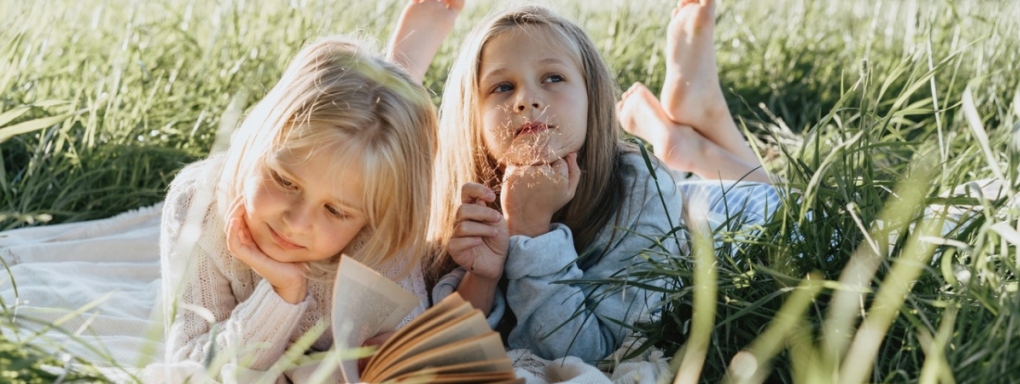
[[293, 294], [534, 227], [483, 280]]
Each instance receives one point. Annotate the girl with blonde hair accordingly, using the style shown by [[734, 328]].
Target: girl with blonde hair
[[336, 159]]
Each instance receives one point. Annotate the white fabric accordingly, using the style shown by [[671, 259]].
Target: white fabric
[[110, 265], [114, 264]]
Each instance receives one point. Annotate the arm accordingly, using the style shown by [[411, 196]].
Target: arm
[[556, 319], [478, 244], [452, 282], [214, 305], [422, 27]]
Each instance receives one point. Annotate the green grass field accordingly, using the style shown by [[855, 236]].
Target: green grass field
[[869, 110]]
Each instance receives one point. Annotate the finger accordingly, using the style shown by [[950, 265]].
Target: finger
[[473, 193], [475, 212], [560, 169], [240, 245], [460, 248], [474, 228], [233, 236]]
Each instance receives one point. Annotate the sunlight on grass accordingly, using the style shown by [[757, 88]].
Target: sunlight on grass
[[879, 117]]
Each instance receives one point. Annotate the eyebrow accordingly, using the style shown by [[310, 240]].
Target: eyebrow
[[333, 199]]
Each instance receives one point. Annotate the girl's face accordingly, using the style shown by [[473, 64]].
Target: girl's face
[[533, 98], [296, 213]]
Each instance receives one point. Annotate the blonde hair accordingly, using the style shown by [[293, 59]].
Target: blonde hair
[[599, 192], [336, 96]]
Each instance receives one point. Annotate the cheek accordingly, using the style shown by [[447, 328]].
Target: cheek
[[338, 237], [572, 142], [260, 198], [494, 135], [254, 195]]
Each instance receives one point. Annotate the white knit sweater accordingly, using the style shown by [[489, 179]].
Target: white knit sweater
[[214, 303]]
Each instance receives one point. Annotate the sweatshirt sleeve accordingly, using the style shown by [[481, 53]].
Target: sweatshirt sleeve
[[448, 284], [557, 318], [205, 319]]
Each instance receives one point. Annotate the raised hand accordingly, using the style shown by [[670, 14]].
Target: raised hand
[[288, 279], [533, 193], [480, 238]]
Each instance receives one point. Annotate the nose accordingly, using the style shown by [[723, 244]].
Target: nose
[[298, 218], [527, 99]]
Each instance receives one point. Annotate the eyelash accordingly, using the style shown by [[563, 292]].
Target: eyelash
[[336, 213], [496, 89], [557, 76], [287, 184]]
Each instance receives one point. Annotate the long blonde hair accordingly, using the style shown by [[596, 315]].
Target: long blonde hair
[[336, 96], [600, 190]]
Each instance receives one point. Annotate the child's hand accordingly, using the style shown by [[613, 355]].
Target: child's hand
[[533, 193], [480, 238], [287, 279]]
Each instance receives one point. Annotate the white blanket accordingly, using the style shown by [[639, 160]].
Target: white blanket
[[99, 280]]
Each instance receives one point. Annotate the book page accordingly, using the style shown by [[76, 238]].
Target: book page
[[457, 378], [467, 326], [441, 316], [502, 366], [365, 303], [484, 347]]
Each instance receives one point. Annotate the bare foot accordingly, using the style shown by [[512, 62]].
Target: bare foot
[[691, 94], [680, 147], [642, 115]]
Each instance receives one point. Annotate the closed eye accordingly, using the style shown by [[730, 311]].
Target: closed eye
[[281, 181], [336, 213]]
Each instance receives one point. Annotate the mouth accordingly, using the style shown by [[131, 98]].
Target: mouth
[[283, 242], [532, 127]]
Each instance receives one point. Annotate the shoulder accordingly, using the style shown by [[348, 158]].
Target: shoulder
[[194, 185]]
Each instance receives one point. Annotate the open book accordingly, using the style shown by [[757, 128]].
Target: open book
[[450, 342]]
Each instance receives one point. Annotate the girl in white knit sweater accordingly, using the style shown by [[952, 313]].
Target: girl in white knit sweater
[[336, 159]]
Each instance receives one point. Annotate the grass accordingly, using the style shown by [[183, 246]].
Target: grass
[[869, 110]]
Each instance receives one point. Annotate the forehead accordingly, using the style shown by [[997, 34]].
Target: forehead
[[327, 162], [529, 41]]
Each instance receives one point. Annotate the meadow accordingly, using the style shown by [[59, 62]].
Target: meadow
[[872, 113]]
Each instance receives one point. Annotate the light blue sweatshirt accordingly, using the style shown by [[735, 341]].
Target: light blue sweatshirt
[[559, 319]]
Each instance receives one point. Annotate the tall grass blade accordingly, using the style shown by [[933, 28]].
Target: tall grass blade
[[847, 302], [890, 297], [752, 365], [978, 129], [692, 355], [33, 125], [936, 369], [12, 114]]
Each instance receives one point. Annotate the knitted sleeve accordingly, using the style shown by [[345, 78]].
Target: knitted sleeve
[[215, 305]]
